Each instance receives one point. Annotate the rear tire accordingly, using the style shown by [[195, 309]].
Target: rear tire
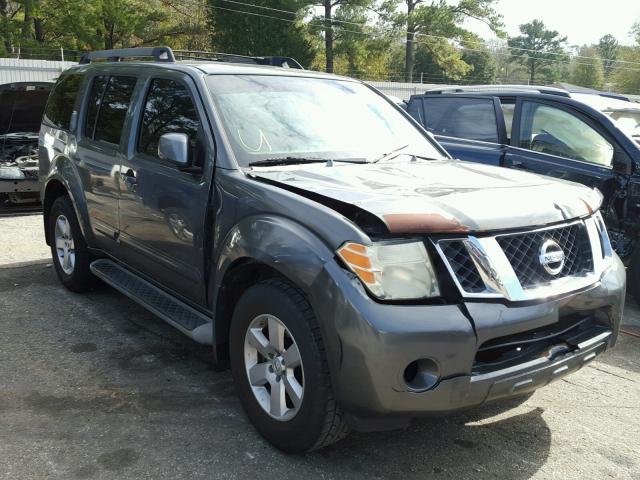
[[69, 251], [310, 421]]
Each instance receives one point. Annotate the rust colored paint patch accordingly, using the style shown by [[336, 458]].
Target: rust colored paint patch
[[422, 223], [588, 205]]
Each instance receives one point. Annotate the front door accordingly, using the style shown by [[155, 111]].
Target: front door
[[560, 142], [163, 209]]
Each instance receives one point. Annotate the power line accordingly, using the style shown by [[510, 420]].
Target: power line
[[544, 59], [333, 20]]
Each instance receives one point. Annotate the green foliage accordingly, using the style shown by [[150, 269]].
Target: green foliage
[[425, 21], [627, 76], [539, 50], [608, 48], [93, 24], [248, 34], [588, 72]]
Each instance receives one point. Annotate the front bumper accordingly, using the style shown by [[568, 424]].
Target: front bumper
[[370, 344]]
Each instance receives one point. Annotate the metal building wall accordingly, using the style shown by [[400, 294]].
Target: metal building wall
[[17, 70]]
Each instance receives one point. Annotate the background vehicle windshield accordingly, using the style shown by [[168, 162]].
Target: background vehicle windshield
[[278, 116], [625, 114]]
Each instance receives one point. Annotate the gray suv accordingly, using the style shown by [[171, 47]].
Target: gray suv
[[351, 274]]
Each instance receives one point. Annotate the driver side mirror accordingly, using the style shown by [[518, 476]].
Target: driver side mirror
[[174, 148]]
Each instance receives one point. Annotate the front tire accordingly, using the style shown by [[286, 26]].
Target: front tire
[[280, 369], [69, 251]]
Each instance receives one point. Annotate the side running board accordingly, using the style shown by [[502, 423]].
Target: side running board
[[173, 311]]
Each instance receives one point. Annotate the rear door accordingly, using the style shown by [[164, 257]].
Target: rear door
[[469, 127], [99, 151], [556, 140], [163, 209]]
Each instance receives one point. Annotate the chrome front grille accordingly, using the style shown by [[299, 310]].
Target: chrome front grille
[[510, 265], [462, 265], [523, 251]]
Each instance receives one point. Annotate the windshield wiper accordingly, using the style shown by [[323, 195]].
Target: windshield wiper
[[389, 155], [274, 162]]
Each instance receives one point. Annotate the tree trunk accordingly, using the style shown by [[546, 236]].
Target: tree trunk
[[328, 36], [28, 19], [38, 29], [409, 49], [532, 72]]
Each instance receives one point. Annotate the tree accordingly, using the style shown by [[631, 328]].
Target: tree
[[440, 18], [587, 68], [258, 33], [627, 74], [538, 48], [608, 48]]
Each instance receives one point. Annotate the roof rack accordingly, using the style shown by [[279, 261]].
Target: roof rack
[[499, 88], [274, 61], [167, 55], [159, 54]]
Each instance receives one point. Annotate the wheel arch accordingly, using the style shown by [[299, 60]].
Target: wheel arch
[[254, 250]]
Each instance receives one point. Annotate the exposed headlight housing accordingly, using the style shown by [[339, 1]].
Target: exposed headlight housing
[[605, 241], [399, 270]]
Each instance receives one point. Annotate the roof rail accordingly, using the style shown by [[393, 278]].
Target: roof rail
[[159, 54], [167, 55], [274, 61], [498, 88]]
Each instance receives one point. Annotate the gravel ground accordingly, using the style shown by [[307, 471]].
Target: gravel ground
[[94, 387]]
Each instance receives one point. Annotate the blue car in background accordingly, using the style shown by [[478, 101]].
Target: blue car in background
[[583, 136]]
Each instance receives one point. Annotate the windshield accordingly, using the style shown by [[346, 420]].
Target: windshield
[[270, 117], [627, 120], [625, 114]]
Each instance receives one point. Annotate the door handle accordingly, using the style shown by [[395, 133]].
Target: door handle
[[130, 180]]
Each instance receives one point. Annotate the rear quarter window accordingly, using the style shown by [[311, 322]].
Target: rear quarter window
[[469, 118], [62, 101]]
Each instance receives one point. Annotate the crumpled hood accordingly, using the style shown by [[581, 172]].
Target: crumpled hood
[[439, 196]]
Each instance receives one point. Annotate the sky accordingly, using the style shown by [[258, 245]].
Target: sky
[[582, 21]]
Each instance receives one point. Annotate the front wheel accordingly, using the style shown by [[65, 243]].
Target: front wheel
[[280, 369], [69, 250]]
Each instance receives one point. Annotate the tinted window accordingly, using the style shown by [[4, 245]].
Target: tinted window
[[471, 118], [168, 109], [557, 132], [95, 95], [62, 101], [113, 109]]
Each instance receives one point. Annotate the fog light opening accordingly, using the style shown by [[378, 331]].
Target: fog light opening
[[421, 375]]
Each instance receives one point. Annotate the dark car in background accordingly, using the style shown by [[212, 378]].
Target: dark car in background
[[586, 137], [21, 108]]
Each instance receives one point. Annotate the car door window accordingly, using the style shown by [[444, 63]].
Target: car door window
[[113, 109], [95, 96], [169, 108], [62, 101], [470, 118], [554, 131]]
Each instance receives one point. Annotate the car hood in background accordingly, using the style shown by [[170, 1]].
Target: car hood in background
[[439, 196]]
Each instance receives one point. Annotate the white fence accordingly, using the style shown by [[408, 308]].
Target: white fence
[[18, 70]]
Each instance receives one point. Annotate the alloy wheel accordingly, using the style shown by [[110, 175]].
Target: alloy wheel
[[274, 367]]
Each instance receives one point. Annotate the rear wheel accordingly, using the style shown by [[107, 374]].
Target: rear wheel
[[69, 250], [280, 369]]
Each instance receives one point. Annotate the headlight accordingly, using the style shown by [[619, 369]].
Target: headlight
[[392, 270]]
